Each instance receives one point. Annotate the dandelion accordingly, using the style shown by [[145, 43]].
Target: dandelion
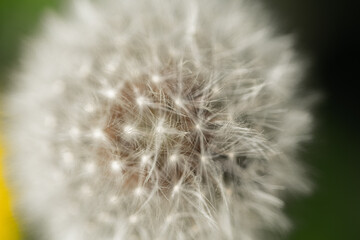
[[175, 120]]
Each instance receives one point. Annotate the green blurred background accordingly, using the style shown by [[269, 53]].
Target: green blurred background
[[328, 34]]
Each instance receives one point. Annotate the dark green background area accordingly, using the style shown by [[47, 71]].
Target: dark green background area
[[18, 19], [328, 34]]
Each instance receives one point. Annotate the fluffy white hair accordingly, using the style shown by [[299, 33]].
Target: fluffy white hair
[[151, 119]]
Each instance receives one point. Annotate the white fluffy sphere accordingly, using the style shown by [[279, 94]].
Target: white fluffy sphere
[[150, 119]]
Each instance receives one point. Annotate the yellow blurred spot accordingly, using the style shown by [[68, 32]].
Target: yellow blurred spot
[[8, 226]]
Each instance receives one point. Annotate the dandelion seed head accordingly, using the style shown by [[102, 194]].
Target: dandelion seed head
[[178, 102], [139, 191], [97, 133], [204, 159], [155, 78], [145, 159], [110, 93], [115, 166], [153, 112], [140, 101], [160, 128], [176, 188], [129, 130], [173, 157]]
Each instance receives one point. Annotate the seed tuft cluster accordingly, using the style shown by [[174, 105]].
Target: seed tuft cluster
[[152, 119]]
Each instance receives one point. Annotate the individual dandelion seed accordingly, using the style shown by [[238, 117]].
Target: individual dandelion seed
[[153, 119]]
